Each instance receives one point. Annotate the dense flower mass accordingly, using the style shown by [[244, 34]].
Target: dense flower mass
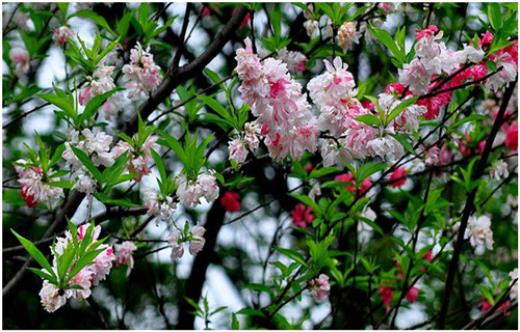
[[142, 74], [282, 111]]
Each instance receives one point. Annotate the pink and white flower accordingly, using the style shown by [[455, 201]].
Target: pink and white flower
[[348, 35], [34, 189], [190, 192], [320, 287], [197, 240], [62, 35], [479, 232], [20, 59], [177, 247], [50, 297], [124, 252], [295, 60], [276, 99]]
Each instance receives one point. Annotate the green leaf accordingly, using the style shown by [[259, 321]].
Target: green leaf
[[386, 39], [95, 103], [99, 20], [43, 275], [85, 160], [292, 254], [494, 15], [369, 119], [160, 166], [84, 260], [66, 184], [34, 252], [399, 108], [60, 102], [235, 325], [308, 202]]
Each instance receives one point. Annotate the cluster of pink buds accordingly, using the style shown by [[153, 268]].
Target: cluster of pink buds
[[354, 187], [302, 216]]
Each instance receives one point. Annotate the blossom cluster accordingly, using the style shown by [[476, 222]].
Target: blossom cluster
[[34, 186], [142, 74], [191, 192], [283, 113], [79, 286]]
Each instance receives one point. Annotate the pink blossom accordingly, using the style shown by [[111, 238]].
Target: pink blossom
[[50, 297], [84, 280], [28, 198], [479, 232], [487, 40], [34, 189], [320, 287], [20, 59], [142, 74], [302, 216], [177, 248], [416, 76], [238, 150], [85, 95], [386, 6], [295, 60], [484, 305], [245, 21], [276, 99], [205, 11], [511, 140], [428, 256], [230, 201], [386, 294], [428, 31], [197, 240], [398, 177], [124, 253], [348, 35], [412, 294], [103, 264], [62, 35]]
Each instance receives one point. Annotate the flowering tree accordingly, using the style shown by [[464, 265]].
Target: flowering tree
[[342, 166]]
